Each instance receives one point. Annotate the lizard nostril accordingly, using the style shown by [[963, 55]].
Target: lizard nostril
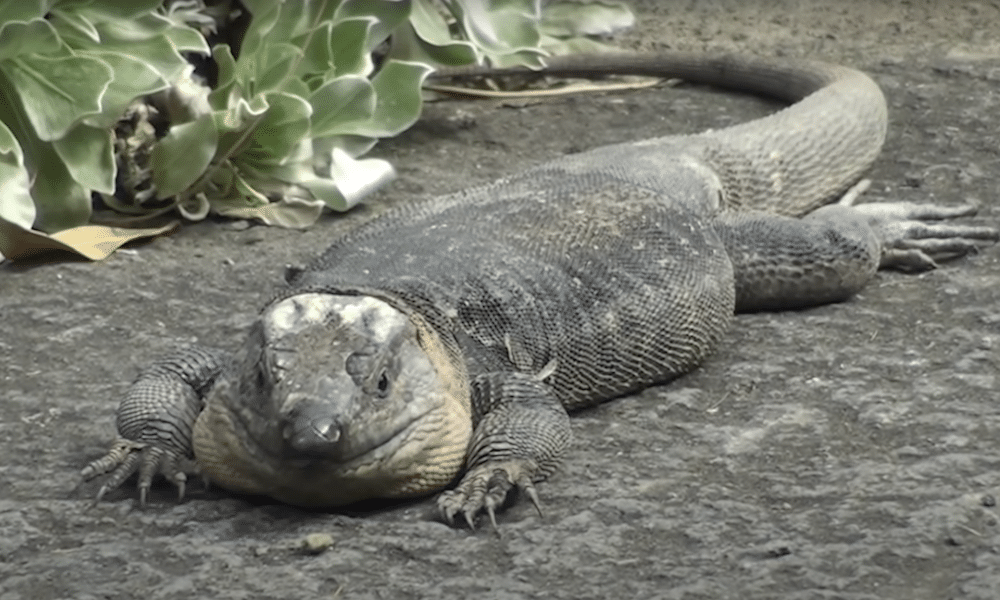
[[309, 428], [327, 429]]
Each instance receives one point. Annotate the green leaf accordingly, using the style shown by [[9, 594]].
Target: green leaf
[[181, 157], [350, 180], [353, 145], [235, 119], [73, 24], [116, 10], [293, 20], [316, 54], [501, 30], [264, 15], [341, 104], [283, 127], [426, 37], [429, 24], [58, 91], [16, 205], [23, 10], [243, 201], [186, 39], [132, 78], [88, 155], [239, 193], [348, 46], [407, 44], [277, 66], [34, 37], [61, 202], [388, 14], [133, 28], [226, 84], [290, 212], [271, 174], [570, 18], [158, 52], [398, 98]]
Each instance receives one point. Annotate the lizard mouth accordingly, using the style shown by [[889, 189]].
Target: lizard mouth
[[413, 456], [312, 436]]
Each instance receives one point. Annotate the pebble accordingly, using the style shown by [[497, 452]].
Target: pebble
[[239, 225], [317, 543]]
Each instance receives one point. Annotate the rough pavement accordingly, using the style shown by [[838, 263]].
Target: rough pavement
[[848, 451]]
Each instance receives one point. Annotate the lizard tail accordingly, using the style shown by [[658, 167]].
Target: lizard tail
[[790, 162]]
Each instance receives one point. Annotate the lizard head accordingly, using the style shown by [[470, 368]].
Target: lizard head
[[334, 399]]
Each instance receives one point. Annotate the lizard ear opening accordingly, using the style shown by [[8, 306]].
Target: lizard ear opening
[[383, 384]]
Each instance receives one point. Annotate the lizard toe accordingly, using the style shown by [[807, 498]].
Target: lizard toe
[[127, 457], [485, 489], [914, 238]]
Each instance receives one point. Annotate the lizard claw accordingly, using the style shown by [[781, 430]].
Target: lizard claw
[[127, 457], [911, 242], [533, 496], [485, 488], [491, 511]]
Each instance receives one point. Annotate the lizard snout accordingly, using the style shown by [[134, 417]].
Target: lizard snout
[[311, 426]]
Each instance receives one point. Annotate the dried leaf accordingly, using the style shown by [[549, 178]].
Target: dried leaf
[[94, 242]]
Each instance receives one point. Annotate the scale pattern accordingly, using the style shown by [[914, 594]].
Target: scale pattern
[[608, 261], [620, 287], [589, 277]]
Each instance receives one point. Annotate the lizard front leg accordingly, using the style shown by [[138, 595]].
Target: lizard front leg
[[155, 421], [519, 440]]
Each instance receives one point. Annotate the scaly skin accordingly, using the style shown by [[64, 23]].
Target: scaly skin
[[447, 340]]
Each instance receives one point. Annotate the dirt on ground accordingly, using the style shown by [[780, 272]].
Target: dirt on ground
[[847, 451]]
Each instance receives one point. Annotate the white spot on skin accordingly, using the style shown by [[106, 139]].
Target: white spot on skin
[[297, 312], [305, 310], [385, 319]]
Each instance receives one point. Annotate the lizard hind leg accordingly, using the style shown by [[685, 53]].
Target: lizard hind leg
[[912, 236]]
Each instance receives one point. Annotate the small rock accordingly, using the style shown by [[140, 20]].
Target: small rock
[[317, 543], [988, 500], [254, 238], [239, 225], [463, 119], [293, 271]]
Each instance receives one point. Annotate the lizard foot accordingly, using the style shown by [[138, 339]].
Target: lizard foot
[[485, 487], [127, 457], [910, 242]]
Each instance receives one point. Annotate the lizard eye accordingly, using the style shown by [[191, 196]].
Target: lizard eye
[[383, 384]]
